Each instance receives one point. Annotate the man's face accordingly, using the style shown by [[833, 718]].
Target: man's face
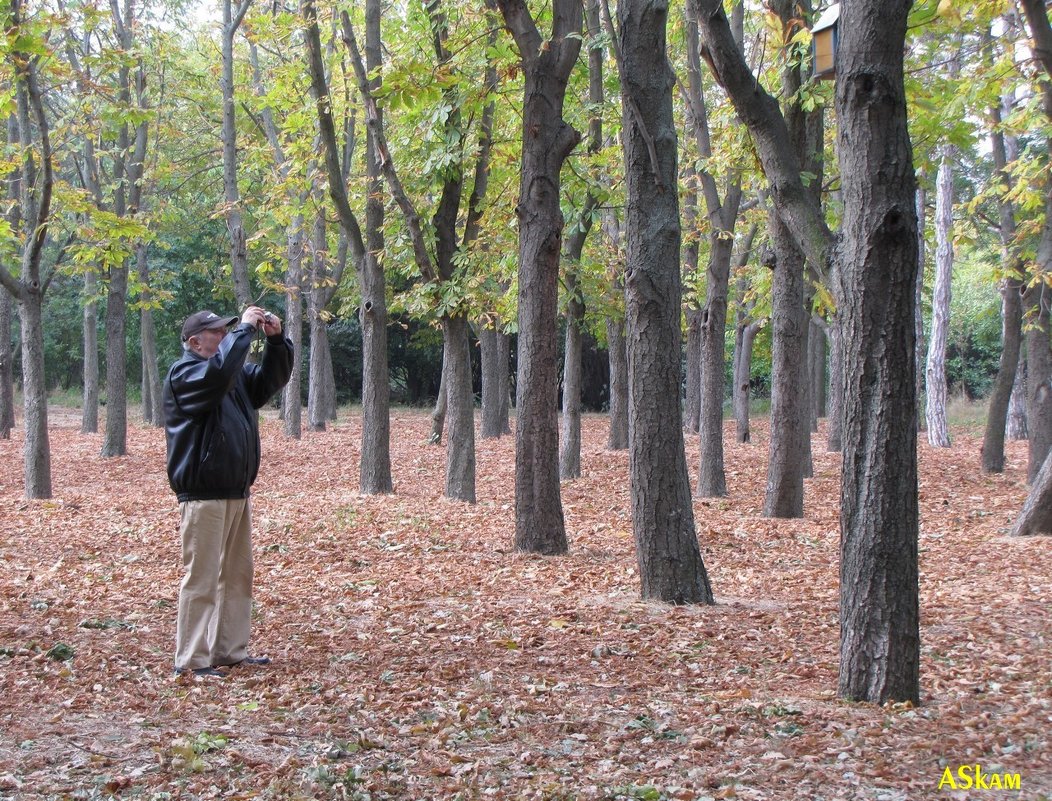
[[206, 343]]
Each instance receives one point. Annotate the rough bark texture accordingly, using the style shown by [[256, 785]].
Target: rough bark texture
[[1015, 429], [89, 407], [233, 14], [935, 371], [1038, 372], [790, 416], [570, 441], [745, 337], [712, 479], [692, 402], [879, 604], [115, 438], [670, 564], [291, 398], [993, 451], [460, 447], [617, 352], [918, 325], [546, 142], [1036, 516], [816, 370], [438, 414]]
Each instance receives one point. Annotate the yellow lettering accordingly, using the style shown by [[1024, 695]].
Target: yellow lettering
[[947, 779], [994, 782], [966, 780], [1012, 781]]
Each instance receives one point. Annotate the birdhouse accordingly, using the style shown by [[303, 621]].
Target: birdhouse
[[824, 42]]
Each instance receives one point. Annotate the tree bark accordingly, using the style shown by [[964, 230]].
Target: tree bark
[[670, 564], [232, 18], [7, 373], [494, 347], [935, 375], [1016, 426], [547, 139], [1036, 516], [617, 353], [153, 408], [743, 347], [816, 370], [89, 408], [438, 414], [692, 357], [1038, 372], [460, 445], [291, 398], [918, 325], [570, 441], [879, 594]]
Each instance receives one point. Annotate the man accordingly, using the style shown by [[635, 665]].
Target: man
[[210, 400]]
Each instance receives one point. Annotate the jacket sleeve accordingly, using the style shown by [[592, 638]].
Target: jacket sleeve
[[266, 379], [199, 385]]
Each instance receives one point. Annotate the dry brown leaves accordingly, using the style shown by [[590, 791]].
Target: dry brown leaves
[[416, 655]]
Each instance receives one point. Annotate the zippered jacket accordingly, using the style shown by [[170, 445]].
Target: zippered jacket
[[210, 416]]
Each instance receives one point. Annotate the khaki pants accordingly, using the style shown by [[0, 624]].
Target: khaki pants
[[215, 599]]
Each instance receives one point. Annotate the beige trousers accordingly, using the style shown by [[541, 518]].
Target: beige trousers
[[215, 598]]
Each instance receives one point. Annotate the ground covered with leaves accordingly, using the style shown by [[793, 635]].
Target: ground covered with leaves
[[416, 655]]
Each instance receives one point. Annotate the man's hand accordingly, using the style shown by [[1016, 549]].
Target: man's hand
[[261, 318]]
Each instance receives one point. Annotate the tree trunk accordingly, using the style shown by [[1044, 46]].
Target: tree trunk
[[835, 438], [291, 399], [743, 345], [494, 347], [438, 414], [460, 444], [1038, 374], [570, 442], [1016, 426], [115, 438], [546, 142], [790, 423], [232, 17], [918, 325], [153, 411], [37, 448], [712, 480], [935, 375], [1036, 516], [617, 353], [816, 370], [319, 377], [670, 564], [89, 409], [879, 594], [692, 402], [375, 462], [993, 451], [7, 372]]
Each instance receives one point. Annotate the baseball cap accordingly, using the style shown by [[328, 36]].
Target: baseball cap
[[202, 321]]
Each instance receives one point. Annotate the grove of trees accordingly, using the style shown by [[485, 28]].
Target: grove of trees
[[647, 207]]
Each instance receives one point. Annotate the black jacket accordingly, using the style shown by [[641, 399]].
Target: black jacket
[[210, 416]]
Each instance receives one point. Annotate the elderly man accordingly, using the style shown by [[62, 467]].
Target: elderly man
[[211, 395]]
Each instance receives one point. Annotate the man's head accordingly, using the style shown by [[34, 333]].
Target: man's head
[[204, 330]]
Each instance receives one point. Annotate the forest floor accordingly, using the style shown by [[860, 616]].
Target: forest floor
[[416, 655]]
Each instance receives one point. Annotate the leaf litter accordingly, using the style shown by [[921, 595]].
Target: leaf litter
[[417, 655]]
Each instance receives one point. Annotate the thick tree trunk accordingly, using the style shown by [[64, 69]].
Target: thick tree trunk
[[494, 347], [547, 141], [993, 451], [89, 409], [879, 597], [1036, 516], [115, 438], [37, 448], [153, 408], [320, 380], [935, 374], [743, 346], [460, 444], [790, 416], [617, 353], [835, 437], [670, 564]]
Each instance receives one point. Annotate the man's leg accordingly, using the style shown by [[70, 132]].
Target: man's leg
[[201, 529], [233, 617]]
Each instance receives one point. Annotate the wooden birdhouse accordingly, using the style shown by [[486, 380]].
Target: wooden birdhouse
[[824, 42]]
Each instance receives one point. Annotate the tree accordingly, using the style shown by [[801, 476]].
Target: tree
[[546, 142], [35, 179], [879, 604], [879, 524], [376, 415], [670, 564], [233, 16]]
